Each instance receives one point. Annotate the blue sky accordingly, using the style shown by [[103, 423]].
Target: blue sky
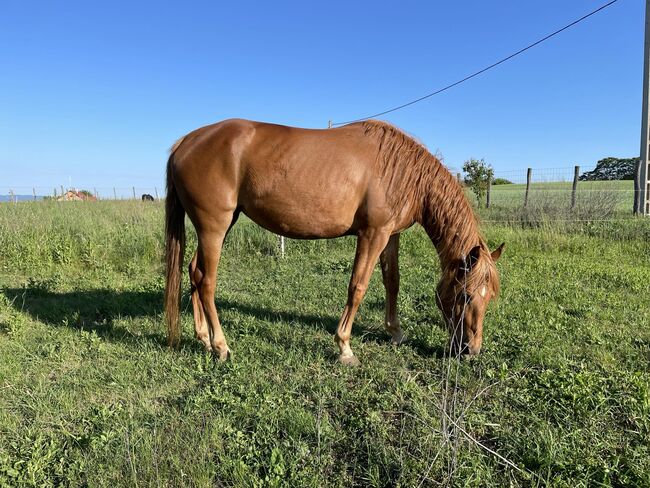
[[94, 93]]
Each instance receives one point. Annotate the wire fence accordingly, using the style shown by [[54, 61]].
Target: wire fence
[[532, 192], [64, 193], [549, 199], [561, 174], [552, 192]]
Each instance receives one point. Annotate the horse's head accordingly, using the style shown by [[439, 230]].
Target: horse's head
[[464, 291]]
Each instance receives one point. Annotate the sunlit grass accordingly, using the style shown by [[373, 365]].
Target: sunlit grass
[[90, 394]]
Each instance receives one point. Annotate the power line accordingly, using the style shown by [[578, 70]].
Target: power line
[[482, 70]]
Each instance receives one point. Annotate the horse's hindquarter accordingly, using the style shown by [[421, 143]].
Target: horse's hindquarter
[[307, 183]]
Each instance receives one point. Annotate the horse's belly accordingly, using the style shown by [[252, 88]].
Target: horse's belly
[[302, 218]]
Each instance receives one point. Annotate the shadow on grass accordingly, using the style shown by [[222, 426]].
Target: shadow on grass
[[99, 310], [92, 310]]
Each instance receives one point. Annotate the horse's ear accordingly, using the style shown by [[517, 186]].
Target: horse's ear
[[496, 254], [468, 262], [473, 256]]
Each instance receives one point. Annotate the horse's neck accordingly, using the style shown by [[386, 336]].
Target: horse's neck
[[450, 223]]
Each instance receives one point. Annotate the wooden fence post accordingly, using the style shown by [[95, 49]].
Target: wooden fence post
[[636, 209], [134, 192], [576, 173], [281, 246], [155, 189], [489, 189], [528, 178], [34, 193], [11, 196], [62, 192], [114, 194], [55, 193]]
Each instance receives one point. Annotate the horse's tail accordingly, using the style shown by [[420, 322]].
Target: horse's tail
[[174, 249]]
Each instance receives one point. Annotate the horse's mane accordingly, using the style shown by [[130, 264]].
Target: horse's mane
[[416, 179]]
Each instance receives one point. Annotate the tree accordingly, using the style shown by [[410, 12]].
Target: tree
[[612, 169], [477, 172]]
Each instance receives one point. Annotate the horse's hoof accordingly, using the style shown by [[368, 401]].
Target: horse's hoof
[[349, 360], [398, 338], [223, 356]]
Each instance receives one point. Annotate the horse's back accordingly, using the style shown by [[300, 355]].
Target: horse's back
[[297, 182], [309, 183]]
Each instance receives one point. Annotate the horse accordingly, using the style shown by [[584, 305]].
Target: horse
[[147, 198], [367, 179]]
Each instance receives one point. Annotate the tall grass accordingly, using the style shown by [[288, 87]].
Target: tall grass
[[127, 235], [101, 235]]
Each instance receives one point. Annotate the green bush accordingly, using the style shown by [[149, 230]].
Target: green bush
[[501, 181]]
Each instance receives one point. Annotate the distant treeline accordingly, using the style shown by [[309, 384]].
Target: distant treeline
[[612, 169]]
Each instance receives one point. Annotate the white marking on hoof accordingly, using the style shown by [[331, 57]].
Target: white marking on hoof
[[398, 338]]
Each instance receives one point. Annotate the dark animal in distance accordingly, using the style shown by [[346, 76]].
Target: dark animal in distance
[[367, 179], [147, 198]]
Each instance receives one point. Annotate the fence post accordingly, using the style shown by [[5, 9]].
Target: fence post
[[528, 178], [34, 193], [281, 246], [114, 194], [576, 173], [133, 192], [55, 193], [62, 192], [636, 209], [329, 124], [458, 178], [489, 189], [11, 196], [155, 189]]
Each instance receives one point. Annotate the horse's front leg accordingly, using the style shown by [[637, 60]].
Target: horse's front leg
[[370, 243], [390, 274]]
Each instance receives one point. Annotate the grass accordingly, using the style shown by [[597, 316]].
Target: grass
[[91, 396], [615, 194]]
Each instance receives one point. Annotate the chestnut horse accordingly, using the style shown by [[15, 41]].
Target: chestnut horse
[[367, 179]]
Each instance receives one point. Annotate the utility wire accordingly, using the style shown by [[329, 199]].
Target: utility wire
[[482, 70]]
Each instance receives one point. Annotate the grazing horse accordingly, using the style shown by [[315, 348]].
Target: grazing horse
[[147, 198], [367, 179]]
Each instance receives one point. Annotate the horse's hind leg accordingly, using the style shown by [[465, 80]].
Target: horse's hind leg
[[200, 322], [201, 326], [209, 253], [390, 274]]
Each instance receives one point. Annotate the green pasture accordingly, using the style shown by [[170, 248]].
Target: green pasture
[[91, 396], [606, 195]]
